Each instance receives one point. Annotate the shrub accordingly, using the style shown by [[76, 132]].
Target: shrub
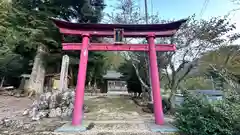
[[198, 116]]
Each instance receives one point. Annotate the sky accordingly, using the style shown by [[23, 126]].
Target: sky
[[180, 9]]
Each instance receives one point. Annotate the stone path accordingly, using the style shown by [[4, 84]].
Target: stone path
[[112, 108], [116, 115]]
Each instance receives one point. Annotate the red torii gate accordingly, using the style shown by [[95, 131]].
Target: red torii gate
[[149, 31]]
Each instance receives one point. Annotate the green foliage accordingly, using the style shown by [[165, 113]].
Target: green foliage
[[31, 18], [198, 116], [225, 57], [114, 60], [12, 65], [23, 31], [193, 83], [126, 69], [226, 60], [129, 74], [80, 10], [195, 38], [25, 25], [34, 28], [97, 67], [218, 81], [6, 33]]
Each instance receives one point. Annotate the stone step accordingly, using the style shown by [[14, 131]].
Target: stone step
[[101, 133], [116, 121], [114, 128]]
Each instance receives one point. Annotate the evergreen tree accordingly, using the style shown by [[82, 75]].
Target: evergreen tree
[[97, 67], [33, 34], [11, 64]]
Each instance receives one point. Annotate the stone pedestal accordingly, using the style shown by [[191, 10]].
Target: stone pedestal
[[165, 128], [71, 129]]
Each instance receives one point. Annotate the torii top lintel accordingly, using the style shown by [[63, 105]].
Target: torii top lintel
[[107, 30]]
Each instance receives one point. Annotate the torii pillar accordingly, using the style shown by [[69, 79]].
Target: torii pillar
[[154, 74], [79, 93]]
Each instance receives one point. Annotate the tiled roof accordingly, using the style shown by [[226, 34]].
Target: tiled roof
[[111, 74], [127, 27]]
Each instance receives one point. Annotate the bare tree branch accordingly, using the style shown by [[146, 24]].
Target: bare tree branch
[[127, 57], [140, 79]]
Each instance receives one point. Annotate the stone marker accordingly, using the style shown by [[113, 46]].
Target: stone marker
[[64, 73]]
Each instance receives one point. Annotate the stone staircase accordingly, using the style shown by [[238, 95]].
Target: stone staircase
[[120, 128]]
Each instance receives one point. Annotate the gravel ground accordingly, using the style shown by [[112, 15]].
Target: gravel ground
[[112, 116]]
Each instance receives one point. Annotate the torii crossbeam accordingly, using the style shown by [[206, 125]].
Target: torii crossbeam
[[149, 31]]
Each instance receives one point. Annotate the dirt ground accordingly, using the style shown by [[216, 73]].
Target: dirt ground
[[109, 114], [11, 106]]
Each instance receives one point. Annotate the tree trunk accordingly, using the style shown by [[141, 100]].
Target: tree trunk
[[171, 100], [2, 82], [36, 81], [95, 84], [71, 81], [89, 84], [145, 95]]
